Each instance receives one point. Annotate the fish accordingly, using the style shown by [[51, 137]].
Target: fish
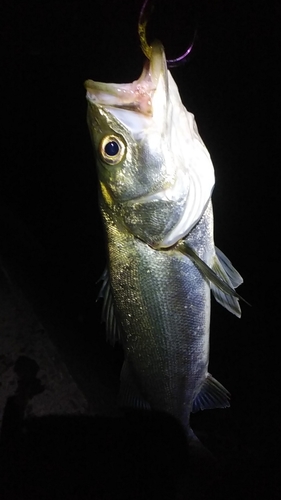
[[156, 178]]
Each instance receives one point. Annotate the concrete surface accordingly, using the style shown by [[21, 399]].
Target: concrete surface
[[22, 335]]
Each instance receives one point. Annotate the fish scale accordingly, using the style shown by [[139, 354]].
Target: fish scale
[[164, 316], [155, 185]]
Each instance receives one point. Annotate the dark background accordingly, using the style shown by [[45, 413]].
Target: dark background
[[51, 233]]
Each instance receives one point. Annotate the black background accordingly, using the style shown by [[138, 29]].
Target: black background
[[52, 237]]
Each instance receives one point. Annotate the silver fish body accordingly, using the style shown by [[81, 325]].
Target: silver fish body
[[156, 180], [162, 304]]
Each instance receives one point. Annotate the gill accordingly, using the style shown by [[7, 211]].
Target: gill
[[181, 246]]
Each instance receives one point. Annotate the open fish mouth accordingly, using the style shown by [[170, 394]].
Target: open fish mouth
[[136, 96], [166, 161]]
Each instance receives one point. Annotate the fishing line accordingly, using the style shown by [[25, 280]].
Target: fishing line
[[143, 20]]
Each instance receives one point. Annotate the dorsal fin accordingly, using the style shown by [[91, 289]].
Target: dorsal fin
[[108, 313]]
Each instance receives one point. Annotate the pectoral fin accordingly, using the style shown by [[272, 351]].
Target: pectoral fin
[[222, 276], [235, 278], [226, 272], [108, 314], [212, 395]]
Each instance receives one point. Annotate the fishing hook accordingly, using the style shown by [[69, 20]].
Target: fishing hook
[[147, 48]]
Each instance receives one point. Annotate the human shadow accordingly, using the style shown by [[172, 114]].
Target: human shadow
[[135, 456]]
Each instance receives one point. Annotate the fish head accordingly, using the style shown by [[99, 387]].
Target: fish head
[[154, 169]]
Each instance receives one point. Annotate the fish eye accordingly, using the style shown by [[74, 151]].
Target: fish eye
[[112, 149]]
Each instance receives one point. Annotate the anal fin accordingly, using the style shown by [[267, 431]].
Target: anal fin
[[212, 395], [129, 394]]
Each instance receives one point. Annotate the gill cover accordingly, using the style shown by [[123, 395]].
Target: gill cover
[[162, 178]]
